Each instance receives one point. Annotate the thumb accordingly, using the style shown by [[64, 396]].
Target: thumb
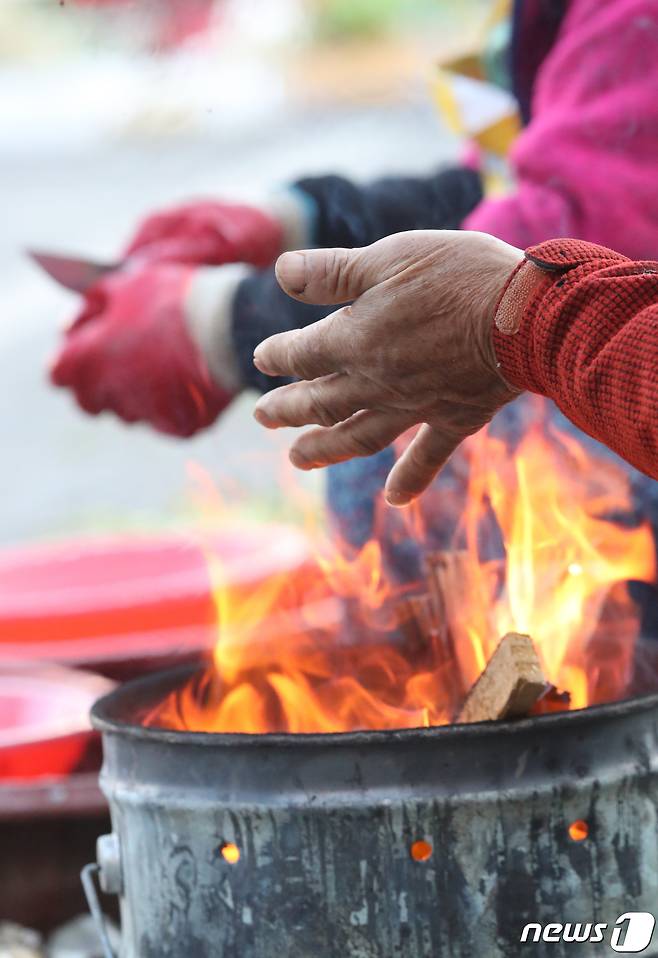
[[334, 276], [321, 276]]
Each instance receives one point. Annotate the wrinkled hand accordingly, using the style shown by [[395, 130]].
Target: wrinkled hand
[[208, 232], [414, 347], [129, 351]]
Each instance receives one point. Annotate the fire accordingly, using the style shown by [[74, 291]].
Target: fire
[[566, 563], [546, 554]]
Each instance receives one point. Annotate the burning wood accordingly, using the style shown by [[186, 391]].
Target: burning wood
[[416, 620], [539, 555], [553, 700], [452, 589], [512, 682], [423, 630], [509, 686]]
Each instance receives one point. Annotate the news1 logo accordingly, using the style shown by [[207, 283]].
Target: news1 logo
[[630, 934]]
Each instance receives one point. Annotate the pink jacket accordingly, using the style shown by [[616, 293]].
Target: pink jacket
[[587, 164]]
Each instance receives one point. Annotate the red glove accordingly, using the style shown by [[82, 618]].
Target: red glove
[[211, 233], [130, 351]]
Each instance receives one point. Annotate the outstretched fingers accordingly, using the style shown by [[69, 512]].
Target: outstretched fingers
[[329, 276], [317, 350], [320, 402], [364, 434]]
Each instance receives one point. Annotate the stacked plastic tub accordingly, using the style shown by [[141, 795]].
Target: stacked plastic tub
[[74, 618]]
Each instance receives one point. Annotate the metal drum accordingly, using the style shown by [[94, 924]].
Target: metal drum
[[428, 843]]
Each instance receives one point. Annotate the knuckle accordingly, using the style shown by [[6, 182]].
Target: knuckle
[[298, 358], [309, 350], [421, 457], [336, 274], [365, 444], [323, 411], [302, 453]]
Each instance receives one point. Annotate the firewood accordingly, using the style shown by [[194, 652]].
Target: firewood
[[553, 700], [451, 586], [421, 630], [413, 622], [439, 579], [420, 609], [510, 684]]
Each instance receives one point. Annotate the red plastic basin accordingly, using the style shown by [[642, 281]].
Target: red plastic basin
[[44, 720], [128, 598]]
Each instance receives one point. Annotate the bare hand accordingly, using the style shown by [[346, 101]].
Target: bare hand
[[414, 347]]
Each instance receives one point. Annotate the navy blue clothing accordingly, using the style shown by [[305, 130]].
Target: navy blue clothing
[[347, 215]]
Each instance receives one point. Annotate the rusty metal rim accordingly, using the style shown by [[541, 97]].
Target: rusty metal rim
[[172, 678]]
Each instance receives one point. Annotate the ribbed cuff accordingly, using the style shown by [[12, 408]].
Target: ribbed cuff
[[519, 308], [512, 335]]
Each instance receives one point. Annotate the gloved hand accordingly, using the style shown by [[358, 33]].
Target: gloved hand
[[139, 345], [153, 341], [416, 346], [209, 232]]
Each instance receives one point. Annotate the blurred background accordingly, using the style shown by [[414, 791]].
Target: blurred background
[[112, 108], [111, 535]]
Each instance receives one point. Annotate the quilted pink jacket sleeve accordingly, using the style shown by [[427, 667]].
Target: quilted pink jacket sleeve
[[587, 164]]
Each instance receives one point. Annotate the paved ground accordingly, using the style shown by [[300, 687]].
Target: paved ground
[[63, 471]]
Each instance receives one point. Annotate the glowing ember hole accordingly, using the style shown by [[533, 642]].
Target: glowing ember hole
[[421, 851], [230, 853], [578, 830]]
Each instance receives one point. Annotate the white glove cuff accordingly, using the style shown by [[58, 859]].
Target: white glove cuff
[[295, 212], [208, 315]]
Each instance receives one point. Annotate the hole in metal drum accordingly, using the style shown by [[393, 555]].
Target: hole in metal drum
[[230, 853], [421, 851], [578, 830]]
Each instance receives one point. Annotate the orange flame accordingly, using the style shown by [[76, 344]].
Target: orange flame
[[322, 651], [566, 562]]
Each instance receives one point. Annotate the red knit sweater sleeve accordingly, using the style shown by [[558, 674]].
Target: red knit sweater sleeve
[[579, 323]]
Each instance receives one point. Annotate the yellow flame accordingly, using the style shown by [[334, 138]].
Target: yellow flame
[[562, 553], [281, 661]]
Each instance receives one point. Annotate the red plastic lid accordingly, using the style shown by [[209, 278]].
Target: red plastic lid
[[120, 598], [44, 719]]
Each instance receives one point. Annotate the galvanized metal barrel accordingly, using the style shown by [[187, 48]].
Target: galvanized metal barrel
[[306, 846]]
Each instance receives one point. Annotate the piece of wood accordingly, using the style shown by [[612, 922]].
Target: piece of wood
[[551, 701], [452, 591], [419, 612], [414, 624], [422, 632], [437, 564], [510, 685]]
